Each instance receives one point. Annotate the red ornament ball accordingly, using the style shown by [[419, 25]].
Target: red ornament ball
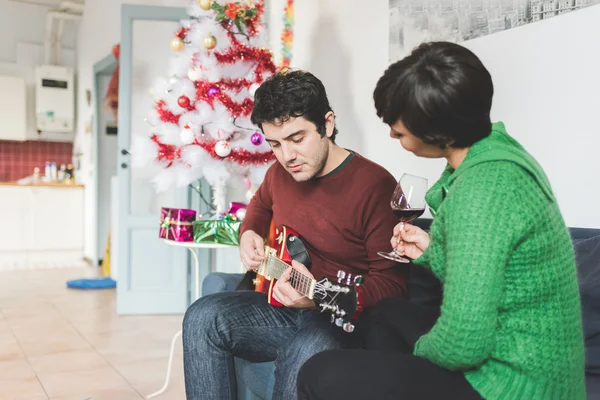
[[183, 101]]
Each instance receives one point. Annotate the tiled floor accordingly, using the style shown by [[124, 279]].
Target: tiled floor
[[63, 344]]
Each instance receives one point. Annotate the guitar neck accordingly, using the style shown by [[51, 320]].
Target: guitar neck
[[302, 283]]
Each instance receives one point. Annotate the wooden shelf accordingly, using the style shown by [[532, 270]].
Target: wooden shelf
[[43, 184]]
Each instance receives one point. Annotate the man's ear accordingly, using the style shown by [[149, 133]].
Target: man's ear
[[329, 123]]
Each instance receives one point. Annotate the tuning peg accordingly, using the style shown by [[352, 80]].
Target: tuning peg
[[348, 327], [348, 279], [339, 322], [341, 275], [358, 280]]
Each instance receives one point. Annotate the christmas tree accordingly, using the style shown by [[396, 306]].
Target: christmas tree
[[200, 125]]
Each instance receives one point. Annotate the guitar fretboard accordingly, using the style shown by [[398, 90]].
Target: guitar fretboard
[[276, 267]]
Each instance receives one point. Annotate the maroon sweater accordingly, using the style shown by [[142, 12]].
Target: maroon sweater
[[344, 218]]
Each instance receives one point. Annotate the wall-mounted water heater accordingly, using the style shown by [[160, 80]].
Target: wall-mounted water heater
[[55, 98]]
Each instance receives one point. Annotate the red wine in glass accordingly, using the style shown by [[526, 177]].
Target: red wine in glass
[[408, 204], [407, 215]]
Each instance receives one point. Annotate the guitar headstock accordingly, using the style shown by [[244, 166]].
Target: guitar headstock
[[341, 299]]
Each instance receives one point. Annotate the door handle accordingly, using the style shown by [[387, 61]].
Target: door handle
[[125, 152], [124, 165]]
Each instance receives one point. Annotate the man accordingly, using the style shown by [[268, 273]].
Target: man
[[338, 202]]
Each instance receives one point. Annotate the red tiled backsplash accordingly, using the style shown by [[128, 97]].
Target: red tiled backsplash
[[18, 159]]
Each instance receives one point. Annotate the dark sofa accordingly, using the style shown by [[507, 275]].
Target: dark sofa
[[255, 380]]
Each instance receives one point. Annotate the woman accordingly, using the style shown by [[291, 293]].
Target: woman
[[510, 323]]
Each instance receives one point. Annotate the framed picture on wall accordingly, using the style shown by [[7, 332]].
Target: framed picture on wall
[[416, 21]]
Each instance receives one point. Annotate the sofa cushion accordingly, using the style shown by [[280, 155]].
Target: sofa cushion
[[578, 234], [588, 270], [592, 383], [257, 377]]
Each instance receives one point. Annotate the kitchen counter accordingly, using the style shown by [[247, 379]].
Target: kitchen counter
[[43, 184]]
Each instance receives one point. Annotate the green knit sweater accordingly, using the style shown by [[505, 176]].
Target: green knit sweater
[[511, 318]]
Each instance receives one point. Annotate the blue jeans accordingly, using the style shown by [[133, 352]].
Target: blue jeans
[[221, 326]]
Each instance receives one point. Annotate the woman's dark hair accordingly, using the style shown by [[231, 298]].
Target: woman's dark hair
[[441, 92], [291, 94]]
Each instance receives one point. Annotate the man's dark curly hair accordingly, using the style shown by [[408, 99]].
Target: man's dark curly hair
[[291, 94], [441, 92]]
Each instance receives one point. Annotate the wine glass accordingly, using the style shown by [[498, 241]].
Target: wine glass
[[408, 203]]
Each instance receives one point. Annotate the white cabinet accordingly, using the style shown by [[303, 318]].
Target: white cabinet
[[41, 227], [13, 108], [57, 218], [15, 219]]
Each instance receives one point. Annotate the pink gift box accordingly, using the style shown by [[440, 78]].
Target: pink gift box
[[176, 224], [234, 207]]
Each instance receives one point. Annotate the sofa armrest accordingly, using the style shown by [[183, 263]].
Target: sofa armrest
[[217, 282]]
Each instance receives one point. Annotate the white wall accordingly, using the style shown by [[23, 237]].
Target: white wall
[[545, 75], [27, 57], [25, 23], [325, 43], [99, 31], [547, 83], [22, 49], [546, 103]]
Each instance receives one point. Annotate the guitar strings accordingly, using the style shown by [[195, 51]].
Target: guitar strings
[[320, 288], [298, 280], [302, 283], [302, 280]]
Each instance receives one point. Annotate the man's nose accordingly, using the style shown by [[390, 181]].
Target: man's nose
[[289, 154]]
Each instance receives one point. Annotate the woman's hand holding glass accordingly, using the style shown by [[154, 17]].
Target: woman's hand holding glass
[[409, 240]]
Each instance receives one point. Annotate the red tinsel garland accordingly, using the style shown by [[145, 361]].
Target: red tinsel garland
[[166, 115], [171, 153], [241, 156], [112, 93], [234, 84], [240, 52], [182, 33], [251, 24], [236, 53], [166, 152], [236, 109]]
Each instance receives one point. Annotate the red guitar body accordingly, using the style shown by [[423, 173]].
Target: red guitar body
[[342, 298]]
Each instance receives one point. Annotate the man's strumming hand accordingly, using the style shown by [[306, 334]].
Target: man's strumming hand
[[252, 250]]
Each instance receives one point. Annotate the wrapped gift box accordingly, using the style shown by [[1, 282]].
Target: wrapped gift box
[[176, 224], [224, 230]]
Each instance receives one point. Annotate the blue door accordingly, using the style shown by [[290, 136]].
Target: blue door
[[152, 277]]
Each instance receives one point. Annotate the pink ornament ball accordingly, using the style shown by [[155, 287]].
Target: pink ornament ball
[[256, 138], [213, 91]]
